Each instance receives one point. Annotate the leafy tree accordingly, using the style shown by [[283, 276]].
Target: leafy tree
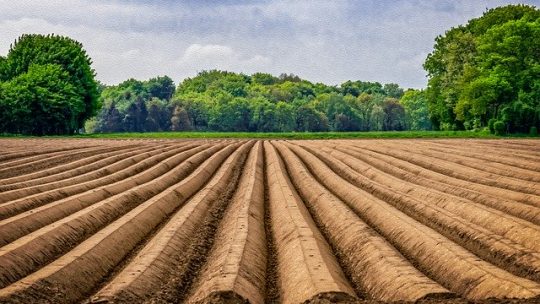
[[157, 118], [393, 90], [358, 87], [309, 119], [111, 120], [263, 114], [65, 52], [161, 87], [341, 115], [289, 77], [264, 79], [499, 127], [41, 101], [230, 114], [285, 117], [34, 71], [487, 69], [415, 105], [394, 115], [180, 120], [130, 121]]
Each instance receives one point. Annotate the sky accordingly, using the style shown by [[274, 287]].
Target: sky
[[322, 41]]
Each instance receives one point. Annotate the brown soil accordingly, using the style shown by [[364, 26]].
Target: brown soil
[[236, 221]]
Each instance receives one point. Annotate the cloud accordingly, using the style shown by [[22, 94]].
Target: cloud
[[327, 41], [199, 57]]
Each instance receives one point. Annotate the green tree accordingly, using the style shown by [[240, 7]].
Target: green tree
[[157, 118], [161, 87], [264, 79], [479, 70], [111, 120], [416, 110], [285, 117], [393, 90], [41, 101], [339, 111], [130, 121], [180, 120], [309, 119], [356, 88], [68, 56], [394, 115], [263, 115]]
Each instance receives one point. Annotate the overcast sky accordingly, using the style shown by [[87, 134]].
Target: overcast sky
[[322, 41]]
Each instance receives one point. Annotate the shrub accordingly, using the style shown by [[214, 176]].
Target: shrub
[[491, 122], [499, 128]]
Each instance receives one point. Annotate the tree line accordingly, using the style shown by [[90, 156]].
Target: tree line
[[226, 101]]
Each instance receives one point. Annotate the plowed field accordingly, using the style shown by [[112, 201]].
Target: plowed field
[[246, 221]]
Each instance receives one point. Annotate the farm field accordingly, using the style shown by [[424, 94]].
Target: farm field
[[269, 221]]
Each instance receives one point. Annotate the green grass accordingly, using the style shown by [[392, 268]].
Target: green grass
[[302, 135], [291, 135]]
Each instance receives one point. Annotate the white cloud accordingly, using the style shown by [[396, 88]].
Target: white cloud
[[199, 57]]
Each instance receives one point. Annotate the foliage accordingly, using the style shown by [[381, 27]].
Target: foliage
[[226, 101], [487, 69], [499, 128], [415, 105], [394, 115], [180, 120], [231, 102], [136, 106], [40, 101], [48, 86]]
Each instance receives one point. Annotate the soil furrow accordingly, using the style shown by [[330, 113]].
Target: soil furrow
[[25, 156], [425, 169], [52, 182], [436, 181], [142, 167], [307, 270], [389, 188], [64, 157], [251, 221], [71, 169], [455, 170], [517, 148], [485, 166], [515, 161], [46, 156], [271, 287], [441, 259], [101, 252], [236, 267], [42, 246], [153, 265], [513, 249], [376, 268]]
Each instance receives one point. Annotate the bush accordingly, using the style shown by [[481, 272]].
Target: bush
[[533, 131], [499, 127], [491, 123]]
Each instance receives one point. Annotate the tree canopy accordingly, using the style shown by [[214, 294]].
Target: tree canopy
[[47, 86], [226, 101], [487, 70]]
